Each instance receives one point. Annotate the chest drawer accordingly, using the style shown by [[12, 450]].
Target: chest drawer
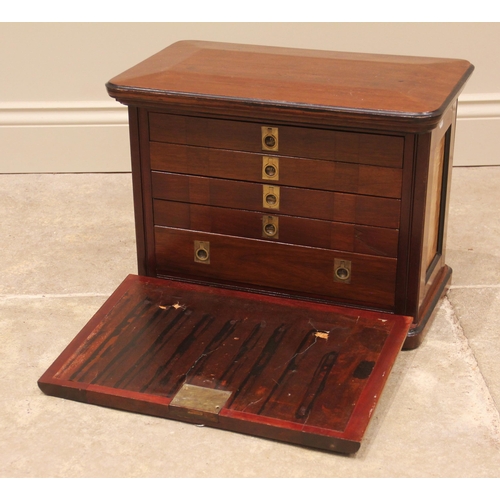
[[275, 266], [284, 170], [310, 203], [294, 230], [320, 144]]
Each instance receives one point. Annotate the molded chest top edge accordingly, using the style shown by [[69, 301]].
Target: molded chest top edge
[[377, 84]]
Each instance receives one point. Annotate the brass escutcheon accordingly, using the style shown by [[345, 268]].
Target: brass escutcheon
[[270, 168], [202, 252], [269, 138], [342, 271], [270, 227], [271, 197]]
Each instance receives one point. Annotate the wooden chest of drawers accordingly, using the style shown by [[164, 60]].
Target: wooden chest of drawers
[[292, 175]]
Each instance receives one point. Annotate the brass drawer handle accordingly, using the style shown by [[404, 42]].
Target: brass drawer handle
[[342, 271], [271, 197], [270, 141], [270, 168], [270, 227], [202, 252], [269, 138]]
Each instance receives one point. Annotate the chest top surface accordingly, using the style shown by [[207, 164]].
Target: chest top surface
[[381, 85]]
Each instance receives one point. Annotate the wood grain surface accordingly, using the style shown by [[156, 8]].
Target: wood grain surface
[[305, 271], [310, 203], [298, 172], [321, 144], [295, 230], [419, 88]]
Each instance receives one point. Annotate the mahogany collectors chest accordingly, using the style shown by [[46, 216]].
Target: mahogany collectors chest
[[290, 211]]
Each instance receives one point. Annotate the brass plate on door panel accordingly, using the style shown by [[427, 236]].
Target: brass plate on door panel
[[271, 197], [203, 399], [269, 138], [270, 168], [270, 227]]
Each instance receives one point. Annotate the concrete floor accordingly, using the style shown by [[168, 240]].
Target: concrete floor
[[68, 241]]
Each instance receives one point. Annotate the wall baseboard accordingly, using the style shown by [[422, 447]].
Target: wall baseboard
[[81, 136], [478, 130], [92, 136], [64, 113]]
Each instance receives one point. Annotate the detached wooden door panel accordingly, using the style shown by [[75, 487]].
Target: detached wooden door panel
[[279, 368]]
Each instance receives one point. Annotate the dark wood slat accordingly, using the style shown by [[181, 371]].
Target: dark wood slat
[[81, 367]]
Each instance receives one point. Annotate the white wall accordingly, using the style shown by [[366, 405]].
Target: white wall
[[55, 114]]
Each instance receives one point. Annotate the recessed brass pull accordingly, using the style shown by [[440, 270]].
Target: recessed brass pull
[[202, 252], [269, 138], [270, 171], [342, 271], [271, 197], [270, 168], [270, 227]]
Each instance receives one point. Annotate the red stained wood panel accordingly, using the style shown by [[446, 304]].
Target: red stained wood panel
[[277, 266], [307, 232], [298, 172], [315, 204], [350, 147], [285, 381]]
